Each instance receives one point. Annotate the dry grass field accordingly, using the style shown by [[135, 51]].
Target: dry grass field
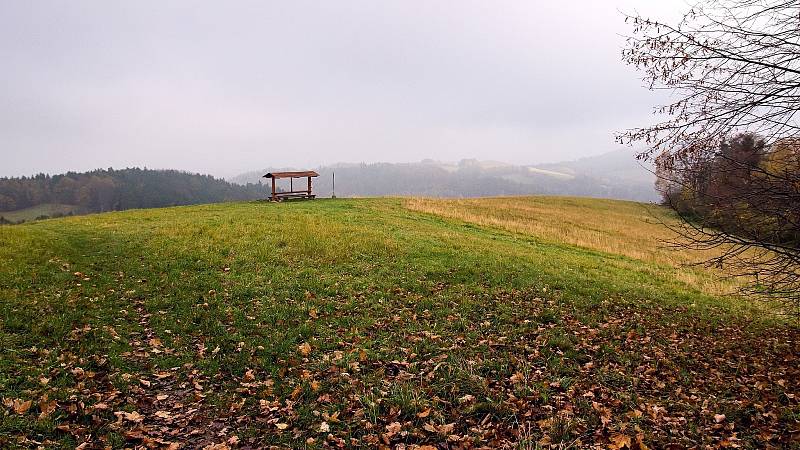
[[636, 230]]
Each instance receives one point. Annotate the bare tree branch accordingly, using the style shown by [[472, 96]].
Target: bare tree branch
[[728, 153]]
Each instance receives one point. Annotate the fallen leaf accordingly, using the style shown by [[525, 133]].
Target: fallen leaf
[[634, 414], [619, 441], [46, 406], [393, 428], [296, 392], [216, 447], [304, 348], [446, 428], [131, 416], [21, 407], [640, 442], [467, 399], [249, 376]]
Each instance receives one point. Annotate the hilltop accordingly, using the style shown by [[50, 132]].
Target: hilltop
[[505, 322]]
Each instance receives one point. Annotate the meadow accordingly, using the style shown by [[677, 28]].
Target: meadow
[[45, 209], [396, 323]]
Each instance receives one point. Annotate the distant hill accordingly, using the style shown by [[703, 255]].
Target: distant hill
[[615, 175], [619, 165], [43, 195]]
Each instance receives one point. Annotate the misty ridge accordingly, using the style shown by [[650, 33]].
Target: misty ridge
[[614, 175]]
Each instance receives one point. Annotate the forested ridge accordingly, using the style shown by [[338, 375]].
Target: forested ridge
[[115, 190]]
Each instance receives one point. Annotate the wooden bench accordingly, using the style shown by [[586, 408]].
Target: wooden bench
[[291, 193], [279, 196]]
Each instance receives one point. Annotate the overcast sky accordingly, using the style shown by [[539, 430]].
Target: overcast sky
[[225, 87]]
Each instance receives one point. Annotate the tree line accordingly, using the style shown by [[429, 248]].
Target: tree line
[[116, 190], [744, 192]]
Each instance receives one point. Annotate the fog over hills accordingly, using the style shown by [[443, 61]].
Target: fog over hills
[[615, 175]]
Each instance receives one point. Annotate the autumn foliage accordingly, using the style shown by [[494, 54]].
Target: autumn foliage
[[726, 148]]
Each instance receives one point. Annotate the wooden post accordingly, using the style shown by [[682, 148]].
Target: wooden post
[[291, 187], [274, 197], [309, 186]]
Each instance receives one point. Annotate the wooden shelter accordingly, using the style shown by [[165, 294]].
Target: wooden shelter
[[291, 193]]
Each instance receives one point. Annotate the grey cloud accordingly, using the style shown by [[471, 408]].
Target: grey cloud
[[225, 87]]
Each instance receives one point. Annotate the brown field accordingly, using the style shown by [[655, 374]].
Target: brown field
[[636, 230]]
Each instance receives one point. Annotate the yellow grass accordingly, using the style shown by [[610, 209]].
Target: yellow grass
[[635, 230]]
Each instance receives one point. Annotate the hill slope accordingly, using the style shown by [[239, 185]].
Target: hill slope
[[360, 323], [42, 210]]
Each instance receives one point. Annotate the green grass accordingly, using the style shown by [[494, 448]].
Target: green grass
[[34, 212], [455, 332]]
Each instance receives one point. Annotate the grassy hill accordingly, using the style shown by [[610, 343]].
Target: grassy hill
[[518, 322]]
